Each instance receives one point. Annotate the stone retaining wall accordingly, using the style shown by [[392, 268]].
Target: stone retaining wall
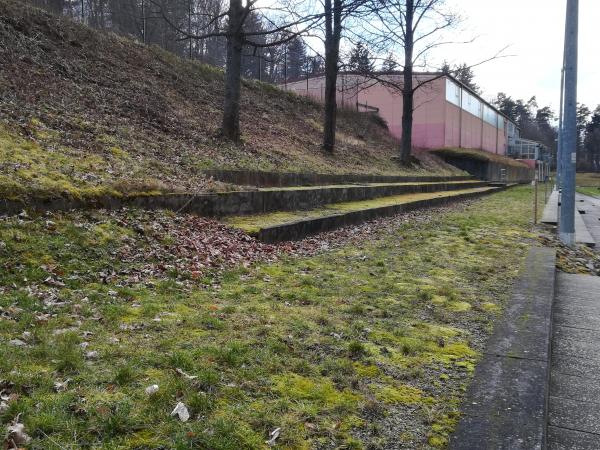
[[491, 171], [286, 179], [235, 203]]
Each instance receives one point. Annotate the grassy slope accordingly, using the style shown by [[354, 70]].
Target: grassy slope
[[588, 184], [371, 343], [133, 118], [481, 155]]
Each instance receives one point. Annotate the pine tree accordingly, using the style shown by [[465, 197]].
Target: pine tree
[[296, 59], [360, 59], [465, 75], [389, 64]]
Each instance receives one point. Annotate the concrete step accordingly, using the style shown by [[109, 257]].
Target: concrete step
[[221, 204], [283, 226], [281, 179]]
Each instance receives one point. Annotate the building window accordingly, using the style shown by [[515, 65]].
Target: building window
[[500, 122], [490, 116], [471, 104], [452, 92]]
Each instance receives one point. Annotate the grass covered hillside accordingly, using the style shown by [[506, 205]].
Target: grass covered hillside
[[84, 112]]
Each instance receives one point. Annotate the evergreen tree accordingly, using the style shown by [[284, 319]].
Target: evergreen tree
[[592, 142], [360, 59], [465, 75], [389, 64], [296, 59], [446, 68]]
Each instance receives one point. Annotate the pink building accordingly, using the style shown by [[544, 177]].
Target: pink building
[[447, 113]]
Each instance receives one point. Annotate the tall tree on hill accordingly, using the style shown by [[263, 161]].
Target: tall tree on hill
[[238, 35], [534, 123], [333, 34], [465, 75], [336, 14], [583, 115], [415, 27]]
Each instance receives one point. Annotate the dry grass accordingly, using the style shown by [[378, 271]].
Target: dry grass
[[588, 179], [80, 93], [481, 155]]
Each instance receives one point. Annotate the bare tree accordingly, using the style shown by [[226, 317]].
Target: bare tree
[[333, 32], [337, 13], [237, 37], [414, 27]]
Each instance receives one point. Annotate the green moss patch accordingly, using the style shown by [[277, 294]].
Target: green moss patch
[[28, 169], [254, 223], [329, 348]]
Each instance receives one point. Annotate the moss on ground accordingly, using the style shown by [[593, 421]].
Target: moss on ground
[[28, 169], [254, 223], [352, 348]]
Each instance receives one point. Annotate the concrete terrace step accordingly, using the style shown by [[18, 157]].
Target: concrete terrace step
[[221, 204], [281, 179], [282, 226]]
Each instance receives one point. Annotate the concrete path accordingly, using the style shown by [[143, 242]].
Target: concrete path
[[590, 207], [550, 215], [583, 204], [506, 402], [574, 402]]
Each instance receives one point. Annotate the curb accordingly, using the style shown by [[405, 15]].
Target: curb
[[506, 403]]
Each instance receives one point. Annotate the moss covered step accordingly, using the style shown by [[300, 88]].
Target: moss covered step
[[281, 179], [221, 204], [283, 226]]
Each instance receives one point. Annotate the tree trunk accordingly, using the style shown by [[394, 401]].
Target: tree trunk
[[333, 29], [407, 87], [233, 70]]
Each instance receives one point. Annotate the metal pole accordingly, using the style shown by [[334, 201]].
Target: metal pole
[[560, 127], [190, 24], [535, 196], [569, 152], [285, 66]]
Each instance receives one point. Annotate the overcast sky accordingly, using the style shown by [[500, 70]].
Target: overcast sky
[[534, 29]]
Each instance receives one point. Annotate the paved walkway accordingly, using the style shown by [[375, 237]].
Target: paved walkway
[[574, 403], [587, 229], [505, 405], [590, 207]]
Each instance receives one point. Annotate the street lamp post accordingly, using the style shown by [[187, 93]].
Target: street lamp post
[[569, 135]]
